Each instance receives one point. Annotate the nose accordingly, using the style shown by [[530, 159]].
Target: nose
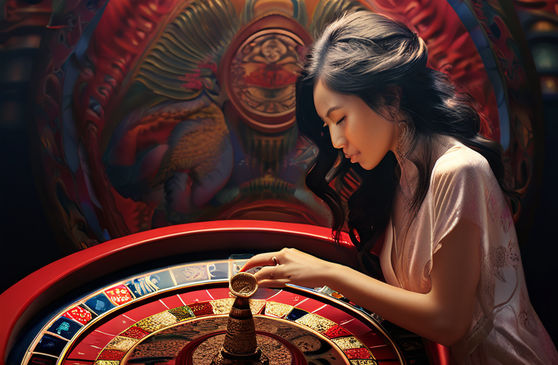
[[337, 137]]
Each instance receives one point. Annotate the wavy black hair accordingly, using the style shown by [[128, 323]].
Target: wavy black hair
[[368, 55]]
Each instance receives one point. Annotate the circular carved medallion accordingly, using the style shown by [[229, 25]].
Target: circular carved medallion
[[260, 70]]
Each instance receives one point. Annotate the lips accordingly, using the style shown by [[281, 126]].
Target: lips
[[352, 157]]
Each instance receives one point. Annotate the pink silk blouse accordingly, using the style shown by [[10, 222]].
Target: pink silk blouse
[[505, 328]]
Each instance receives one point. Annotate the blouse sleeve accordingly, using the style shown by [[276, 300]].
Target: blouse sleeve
[[459, 192]]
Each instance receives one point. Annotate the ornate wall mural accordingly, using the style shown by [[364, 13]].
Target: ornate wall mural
[[152, 113]]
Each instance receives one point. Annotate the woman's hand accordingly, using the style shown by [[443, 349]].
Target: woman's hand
[[290, 266]]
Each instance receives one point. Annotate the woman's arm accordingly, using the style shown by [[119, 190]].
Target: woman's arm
[[442, 315]]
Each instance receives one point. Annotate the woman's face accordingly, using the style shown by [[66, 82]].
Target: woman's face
[[364, 135]]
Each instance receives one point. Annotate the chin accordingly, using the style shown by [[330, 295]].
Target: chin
[[366, 166]]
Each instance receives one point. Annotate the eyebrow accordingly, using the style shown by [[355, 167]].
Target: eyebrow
[[332, 109]]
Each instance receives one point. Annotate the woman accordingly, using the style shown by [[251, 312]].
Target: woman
[[432, 193]]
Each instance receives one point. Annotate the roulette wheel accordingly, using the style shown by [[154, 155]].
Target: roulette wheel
[[162, 297]]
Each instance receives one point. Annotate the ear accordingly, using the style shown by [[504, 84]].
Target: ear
[[391, 101]]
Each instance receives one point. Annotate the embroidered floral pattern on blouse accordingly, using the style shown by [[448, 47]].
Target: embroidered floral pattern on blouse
[[513, 255], [498, 262]]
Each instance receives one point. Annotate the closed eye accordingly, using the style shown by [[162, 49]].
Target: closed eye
[[340, 121]]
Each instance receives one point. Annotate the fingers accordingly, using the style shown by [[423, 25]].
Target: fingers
[[280, 283], [272, 277], [262, 259], [270, 273]]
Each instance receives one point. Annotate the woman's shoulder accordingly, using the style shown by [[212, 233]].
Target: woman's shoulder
[[461, 177], [458, 160]]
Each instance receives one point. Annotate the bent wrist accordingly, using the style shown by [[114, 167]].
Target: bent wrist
[[334, 275]]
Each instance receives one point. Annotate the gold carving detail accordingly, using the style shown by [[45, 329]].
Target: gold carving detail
[[121, 343], [182, 313], [316, 322], [348, 342], [157, 321], [279, 310], [222, 306]]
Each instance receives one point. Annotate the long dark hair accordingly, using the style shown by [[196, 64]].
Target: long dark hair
[[368, 55]]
